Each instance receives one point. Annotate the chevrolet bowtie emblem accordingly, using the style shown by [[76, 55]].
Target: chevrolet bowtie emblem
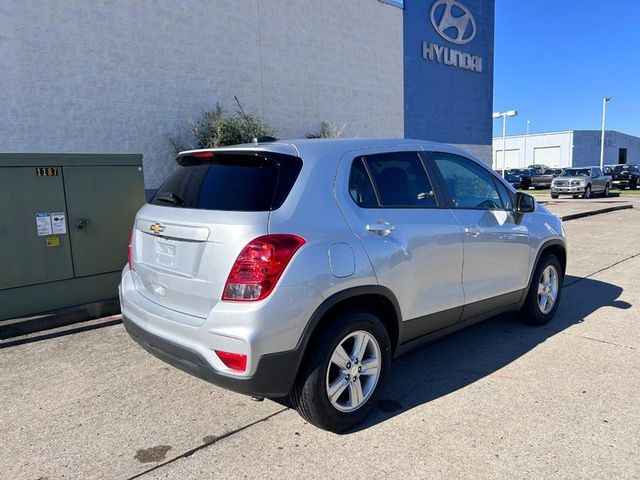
[[156, 228]]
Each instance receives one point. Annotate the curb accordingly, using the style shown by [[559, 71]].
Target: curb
[[17, 327], [574, 216]]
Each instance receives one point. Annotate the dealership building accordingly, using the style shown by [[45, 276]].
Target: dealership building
[[118, 76], [573, 148]]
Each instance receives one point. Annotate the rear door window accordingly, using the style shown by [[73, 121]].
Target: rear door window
[[400, 180], [232, 182], [360, 186]]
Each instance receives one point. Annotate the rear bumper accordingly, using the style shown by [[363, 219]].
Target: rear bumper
[[621, 183], [274, 375], [268, 332]]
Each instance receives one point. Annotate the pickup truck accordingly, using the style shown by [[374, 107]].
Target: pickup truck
[[581, 182], [540, 178], [624, 176]]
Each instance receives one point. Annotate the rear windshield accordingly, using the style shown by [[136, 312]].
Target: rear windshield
[[232, 182], [625, 168]]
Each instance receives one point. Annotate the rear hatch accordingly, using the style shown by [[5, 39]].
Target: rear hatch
[[187, 239]]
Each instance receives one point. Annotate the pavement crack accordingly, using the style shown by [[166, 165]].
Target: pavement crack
[[214, 440], [584, 278], [601, 270], [589, 338]]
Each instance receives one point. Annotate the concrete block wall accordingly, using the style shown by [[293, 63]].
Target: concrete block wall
[[121, 76]]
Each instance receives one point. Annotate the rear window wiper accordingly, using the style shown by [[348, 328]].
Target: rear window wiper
[[170, 198]]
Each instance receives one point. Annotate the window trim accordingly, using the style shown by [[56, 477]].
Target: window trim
[[373, 185]]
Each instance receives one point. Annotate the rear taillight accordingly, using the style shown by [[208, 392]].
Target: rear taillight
[[233, 361], [259, 267], [130, 247]]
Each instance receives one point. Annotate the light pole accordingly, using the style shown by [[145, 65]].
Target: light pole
[[604, 114], [504, 115], [526, 152]]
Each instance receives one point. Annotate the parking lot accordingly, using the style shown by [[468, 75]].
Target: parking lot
[[497, 400]]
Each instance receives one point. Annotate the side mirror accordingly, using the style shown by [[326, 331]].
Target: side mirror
[[525, 203]]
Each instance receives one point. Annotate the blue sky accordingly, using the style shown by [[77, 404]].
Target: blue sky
[[555, 60]]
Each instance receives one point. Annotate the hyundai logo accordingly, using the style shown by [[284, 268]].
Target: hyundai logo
[[453, 21]]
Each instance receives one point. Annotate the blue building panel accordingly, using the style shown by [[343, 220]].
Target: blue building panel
[[448, 70]]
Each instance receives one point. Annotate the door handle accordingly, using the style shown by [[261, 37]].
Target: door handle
[[82, 223], [382, 229], [474, 231]]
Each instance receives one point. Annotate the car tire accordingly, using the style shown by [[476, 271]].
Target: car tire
[[532, 311], [633, 185], [575, 196], [587, 192], [310, 393], [606, 191], [553, 195]]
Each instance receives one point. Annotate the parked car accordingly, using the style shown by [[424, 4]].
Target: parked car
[[518, 177], [302, 268], [583, 182], [540, 179], [623, 176], [555, 172], [539, 166]]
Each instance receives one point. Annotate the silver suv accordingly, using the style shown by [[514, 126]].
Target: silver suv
[[302, 268]]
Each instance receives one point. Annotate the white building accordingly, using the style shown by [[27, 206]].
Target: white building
[[572, 148]]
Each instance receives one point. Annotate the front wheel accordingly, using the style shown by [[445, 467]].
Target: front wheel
[[344, 372], [544, 292], [553, 195], [606, 191], [587, 192]]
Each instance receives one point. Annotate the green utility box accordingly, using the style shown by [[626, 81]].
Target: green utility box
[[64, 228]]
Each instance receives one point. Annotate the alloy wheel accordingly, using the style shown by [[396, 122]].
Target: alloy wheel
[[548, 289], [353, 371]]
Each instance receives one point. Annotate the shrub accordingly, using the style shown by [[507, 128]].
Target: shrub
[[327, 130], [215, 128]]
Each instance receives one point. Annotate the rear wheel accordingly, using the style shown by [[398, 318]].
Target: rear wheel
[[544, 292], [344, 373], [587, 192]]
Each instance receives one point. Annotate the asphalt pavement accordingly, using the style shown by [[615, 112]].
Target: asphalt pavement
[[497, 400]]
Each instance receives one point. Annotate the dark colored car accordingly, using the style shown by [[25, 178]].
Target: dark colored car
[[518, 177], [624, 176]]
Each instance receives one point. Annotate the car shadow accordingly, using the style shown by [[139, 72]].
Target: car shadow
[[469, 355]]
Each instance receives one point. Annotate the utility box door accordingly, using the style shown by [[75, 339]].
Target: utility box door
[[102, 202], [27, 258]]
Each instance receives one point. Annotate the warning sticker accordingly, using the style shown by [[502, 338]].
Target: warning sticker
[[43, 224], [53, 241], [58, 222]]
